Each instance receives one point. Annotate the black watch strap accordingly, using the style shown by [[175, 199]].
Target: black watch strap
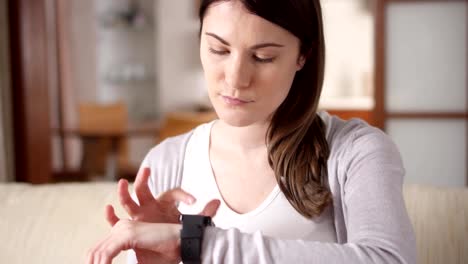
[[191, 237]]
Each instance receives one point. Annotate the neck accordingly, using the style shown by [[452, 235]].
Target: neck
[[242, 139]]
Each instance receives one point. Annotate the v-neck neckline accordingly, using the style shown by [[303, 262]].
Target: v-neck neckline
[[262, 206]]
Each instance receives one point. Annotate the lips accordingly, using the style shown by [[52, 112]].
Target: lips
[[235, 101]]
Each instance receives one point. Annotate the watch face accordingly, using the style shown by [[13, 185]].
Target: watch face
[[195, 219]]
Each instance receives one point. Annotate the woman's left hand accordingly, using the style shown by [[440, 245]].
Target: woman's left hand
[[160, 238]]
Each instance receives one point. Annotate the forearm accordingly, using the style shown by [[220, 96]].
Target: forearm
[[232, 246]]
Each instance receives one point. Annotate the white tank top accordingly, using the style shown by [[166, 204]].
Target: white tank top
[[274, 217]]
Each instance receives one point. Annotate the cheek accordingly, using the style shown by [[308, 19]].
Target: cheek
[[213, 73], [208, 64], [279, 95], [279, 81], [204, 59]]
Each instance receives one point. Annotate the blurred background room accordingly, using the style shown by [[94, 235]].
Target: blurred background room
[[89, 87]]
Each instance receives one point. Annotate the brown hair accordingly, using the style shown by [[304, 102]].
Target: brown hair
[[297, 147]]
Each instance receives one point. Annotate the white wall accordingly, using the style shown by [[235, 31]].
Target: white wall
[[177, 54], [349, 38]]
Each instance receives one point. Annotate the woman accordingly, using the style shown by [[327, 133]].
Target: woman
[[287, 184]]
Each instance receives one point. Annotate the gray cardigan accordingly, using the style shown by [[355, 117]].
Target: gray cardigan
[[365, 175]]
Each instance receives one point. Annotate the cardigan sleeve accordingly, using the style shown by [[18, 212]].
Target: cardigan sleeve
[[377, 226]]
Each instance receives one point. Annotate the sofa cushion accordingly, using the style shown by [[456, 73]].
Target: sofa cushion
[[58, 223], [440, 220], [54, 223]]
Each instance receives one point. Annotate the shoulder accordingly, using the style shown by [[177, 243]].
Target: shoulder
[[173, 148], [357, 147], [169, 149], [354, 135], [166, 160]]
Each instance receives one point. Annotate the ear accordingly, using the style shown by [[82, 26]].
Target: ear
[[301, 60]]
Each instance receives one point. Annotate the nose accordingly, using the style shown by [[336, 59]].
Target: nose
[[238, 73]]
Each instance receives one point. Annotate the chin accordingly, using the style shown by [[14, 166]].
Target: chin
[[235, 118], [236, 121]]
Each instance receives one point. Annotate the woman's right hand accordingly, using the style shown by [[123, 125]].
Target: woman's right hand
[[155, 210], [150, 209], [161, 239]]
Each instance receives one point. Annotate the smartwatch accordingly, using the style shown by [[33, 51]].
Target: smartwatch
[[191, 237]]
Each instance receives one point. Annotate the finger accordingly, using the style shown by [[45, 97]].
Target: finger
[[94, 253], [107, 250], [177, 195], [111, 217], [125, 199], [211, 208], [117, 241], [108, 256], [142, 190], [90, 256]]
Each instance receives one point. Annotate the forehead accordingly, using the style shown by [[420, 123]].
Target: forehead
[[233, 22]]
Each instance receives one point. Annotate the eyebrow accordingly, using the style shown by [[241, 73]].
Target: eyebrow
[[254, 47]]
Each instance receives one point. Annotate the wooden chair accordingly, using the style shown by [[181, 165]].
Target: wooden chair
[[177, 123], [102, 128]]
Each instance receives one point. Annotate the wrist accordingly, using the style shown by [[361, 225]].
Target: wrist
[[174, 230]]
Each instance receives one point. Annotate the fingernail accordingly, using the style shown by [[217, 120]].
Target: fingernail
[[190, 200]]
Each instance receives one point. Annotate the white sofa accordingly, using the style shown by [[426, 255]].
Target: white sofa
[[58, 223]]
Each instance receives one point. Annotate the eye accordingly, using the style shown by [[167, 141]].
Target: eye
[[262, 60], [218, 52]]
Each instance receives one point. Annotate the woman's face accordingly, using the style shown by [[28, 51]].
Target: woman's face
[[249, 63]]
